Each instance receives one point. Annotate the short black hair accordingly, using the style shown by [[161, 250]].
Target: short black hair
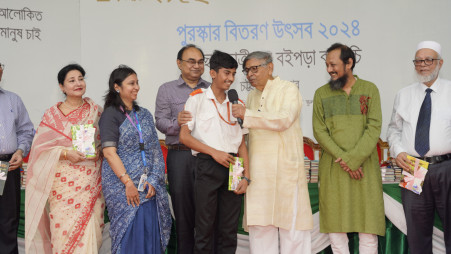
[[112, 98], [345, 54], [66, 69], [182, 50], [222, 60]]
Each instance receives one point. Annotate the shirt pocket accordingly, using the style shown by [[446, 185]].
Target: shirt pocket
[[177, 105], [407, 116], [207, 122], [444, 116]]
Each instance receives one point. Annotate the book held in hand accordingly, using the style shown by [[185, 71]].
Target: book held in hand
[[235, 173], [4, 166], [83, 139], [413, 178]]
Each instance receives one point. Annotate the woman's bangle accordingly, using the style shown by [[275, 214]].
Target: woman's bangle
[[120, 177], [65, 154], [127, 181]]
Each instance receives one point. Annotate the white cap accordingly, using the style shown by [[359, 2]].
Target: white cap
[[430, 45]]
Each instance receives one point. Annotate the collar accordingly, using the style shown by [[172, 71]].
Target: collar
[[357, 82], [435, 86], [201, 83], [271, 82], [2, 90], [210, 95]]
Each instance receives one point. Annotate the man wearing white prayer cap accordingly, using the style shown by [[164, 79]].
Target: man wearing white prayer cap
[[421, 127]]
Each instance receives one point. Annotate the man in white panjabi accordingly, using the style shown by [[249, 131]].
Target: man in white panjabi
[[277, 203]]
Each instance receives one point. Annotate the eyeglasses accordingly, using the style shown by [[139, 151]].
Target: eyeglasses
[[426, 62], [2, 66], [193, 62], [253, 69]]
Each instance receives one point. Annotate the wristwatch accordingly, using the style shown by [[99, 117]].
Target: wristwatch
[[247, 179]]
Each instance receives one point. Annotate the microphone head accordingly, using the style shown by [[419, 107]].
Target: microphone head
[[233, 95]]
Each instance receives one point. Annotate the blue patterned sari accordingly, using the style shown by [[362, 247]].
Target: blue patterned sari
[[123, 216]]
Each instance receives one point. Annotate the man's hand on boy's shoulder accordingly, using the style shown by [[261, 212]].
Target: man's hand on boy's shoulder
[[183, 117]]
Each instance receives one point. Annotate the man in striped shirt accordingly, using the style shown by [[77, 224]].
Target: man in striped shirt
[[16, 134]]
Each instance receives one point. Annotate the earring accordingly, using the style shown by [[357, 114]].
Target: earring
[[117, 91]]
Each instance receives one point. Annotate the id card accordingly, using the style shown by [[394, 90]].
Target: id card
[[142, 182]]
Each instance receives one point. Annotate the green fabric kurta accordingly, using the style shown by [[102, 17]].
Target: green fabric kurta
[[348, 127]]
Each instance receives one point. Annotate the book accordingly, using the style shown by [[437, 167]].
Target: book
[[388, 174], [314, 167], [4, 166], [413, 178], [235, 173], [23, 175], [83, 139]]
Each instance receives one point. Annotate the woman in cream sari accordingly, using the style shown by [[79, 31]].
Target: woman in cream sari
[[63, 203]]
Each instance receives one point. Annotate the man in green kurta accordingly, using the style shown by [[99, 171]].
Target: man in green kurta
[[347, 122]]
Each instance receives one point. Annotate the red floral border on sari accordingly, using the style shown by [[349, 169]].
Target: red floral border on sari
[[80, 225]]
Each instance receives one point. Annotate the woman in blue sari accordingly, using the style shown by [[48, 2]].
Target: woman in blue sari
[[140, 218]]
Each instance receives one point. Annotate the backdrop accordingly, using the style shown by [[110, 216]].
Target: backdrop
[[37, 38]]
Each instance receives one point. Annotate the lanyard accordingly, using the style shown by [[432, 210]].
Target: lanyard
[[228, 113], [141, 141]]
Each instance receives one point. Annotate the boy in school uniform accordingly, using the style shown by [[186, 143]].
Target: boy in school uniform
[[215, 138]]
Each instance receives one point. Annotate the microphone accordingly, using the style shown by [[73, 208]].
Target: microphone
[[233, 97]]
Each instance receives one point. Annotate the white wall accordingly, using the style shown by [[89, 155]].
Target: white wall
[[32, 62], [143, 34]]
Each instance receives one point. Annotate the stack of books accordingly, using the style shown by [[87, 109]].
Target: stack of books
[[388, 174], [314, 171], [307, 168], [23, 176], [398, 172]]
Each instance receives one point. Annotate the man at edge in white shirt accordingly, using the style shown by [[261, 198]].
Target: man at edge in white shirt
[[421, 127]]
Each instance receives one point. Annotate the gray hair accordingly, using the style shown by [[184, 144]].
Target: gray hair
[[258, 55]]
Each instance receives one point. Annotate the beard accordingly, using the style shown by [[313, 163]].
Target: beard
[[430, 77], [339, 83]]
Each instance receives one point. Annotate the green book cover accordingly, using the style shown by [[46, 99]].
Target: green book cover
[[83, 139], [235, 172]]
